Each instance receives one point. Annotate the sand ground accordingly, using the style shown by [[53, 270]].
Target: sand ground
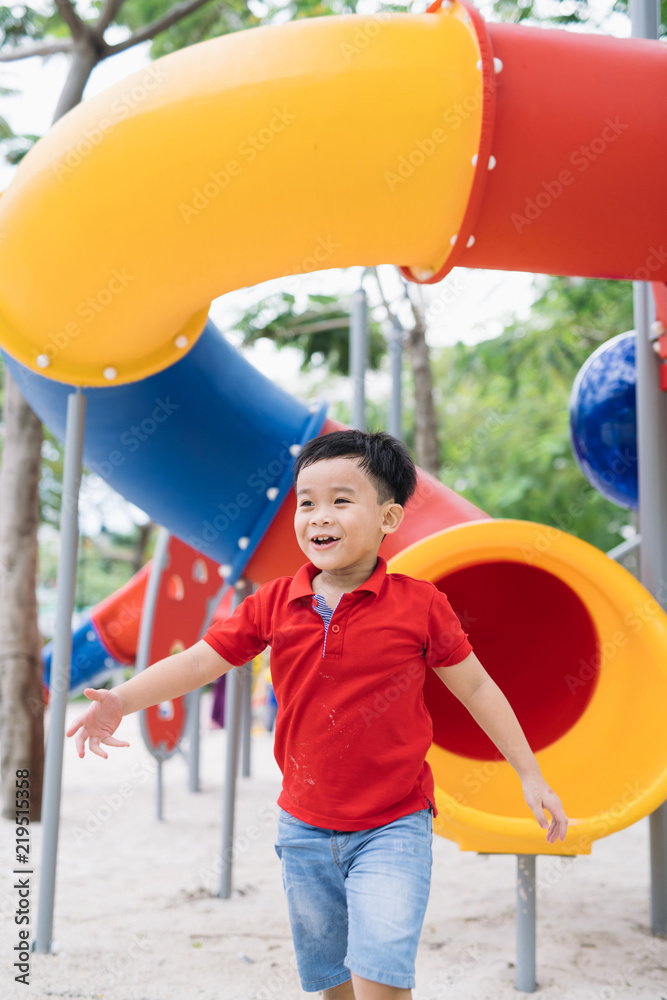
[[137, 917]]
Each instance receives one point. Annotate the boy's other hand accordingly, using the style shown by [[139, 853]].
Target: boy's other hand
[[539, 797], [98, 723]]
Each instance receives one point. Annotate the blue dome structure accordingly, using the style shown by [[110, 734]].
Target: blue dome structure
[[603, 420]]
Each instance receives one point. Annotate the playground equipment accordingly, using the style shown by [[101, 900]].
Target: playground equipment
[[603, 420], [481, 161], [562, 629]]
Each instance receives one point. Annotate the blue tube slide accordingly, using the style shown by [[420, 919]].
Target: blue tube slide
[[91, 661], [205, 447]]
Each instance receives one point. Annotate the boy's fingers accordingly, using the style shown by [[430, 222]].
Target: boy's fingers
[[80, 742], [75, 725], [111, 741], [95, 747], [95, 694]]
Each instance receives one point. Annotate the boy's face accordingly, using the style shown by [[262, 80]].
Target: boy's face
[[339, 521]]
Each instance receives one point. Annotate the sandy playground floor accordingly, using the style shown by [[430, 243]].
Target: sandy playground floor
[[137, 918]]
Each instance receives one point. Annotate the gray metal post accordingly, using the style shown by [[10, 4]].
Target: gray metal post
[[652, 457], [246, 719], [159, 790], [60, 669], [525, 923], [158, 565], [359, 357], [232, 729], [396, 364], [193, 729]]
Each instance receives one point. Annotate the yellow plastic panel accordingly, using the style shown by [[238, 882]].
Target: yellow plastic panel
[[610, 767], [315, 144]]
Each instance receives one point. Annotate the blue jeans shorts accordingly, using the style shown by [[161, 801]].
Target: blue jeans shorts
[[356, 900]]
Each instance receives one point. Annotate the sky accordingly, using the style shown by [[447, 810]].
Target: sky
[[469, 306]]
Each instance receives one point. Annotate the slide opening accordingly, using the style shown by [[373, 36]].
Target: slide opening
[[533, 633]]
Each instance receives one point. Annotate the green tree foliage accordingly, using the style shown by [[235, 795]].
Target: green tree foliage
[[503, 411], [566, 12], [321, 331]]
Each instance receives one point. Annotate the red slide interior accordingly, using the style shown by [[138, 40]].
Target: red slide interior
[[535, 636]]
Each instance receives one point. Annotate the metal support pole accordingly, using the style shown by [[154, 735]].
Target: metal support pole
[[359, 357], [142, 658], [652, 454], [159, 791], [246, 716], [396, 359], [652, 457], [233, 731], [525, 923], [193, 728], [60, 669]]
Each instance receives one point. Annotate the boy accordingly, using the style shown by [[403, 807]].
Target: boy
[[355, 827]]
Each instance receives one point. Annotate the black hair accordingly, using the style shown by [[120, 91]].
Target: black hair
[[385, 460]]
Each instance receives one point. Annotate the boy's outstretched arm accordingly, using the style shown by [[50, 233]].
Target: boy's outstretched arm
[[166, 679], [490, 709]]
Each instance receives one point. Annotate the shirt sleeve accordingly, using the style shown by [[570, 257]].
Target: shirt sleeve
[[446, 642], [239, 639]]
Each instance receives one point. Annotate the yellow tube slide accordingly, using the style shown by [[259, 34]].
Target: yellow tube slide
[[263, 153], [578, 645]]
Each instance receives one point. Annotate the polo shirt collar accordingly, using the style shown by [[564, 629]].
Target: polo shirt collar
[[301, 585]]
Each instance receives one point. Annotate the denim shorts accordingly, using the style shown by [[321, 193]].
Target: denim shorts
[[356, 900]]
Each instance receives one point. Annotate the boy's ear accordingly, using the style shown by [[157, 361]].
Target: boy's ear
[[392, 518]]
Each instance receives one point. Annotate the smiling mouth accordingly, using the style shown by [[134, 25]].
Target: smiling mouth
[[324, 541]]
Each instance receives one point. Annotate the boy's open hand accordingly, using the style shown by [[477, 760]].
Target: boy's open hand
[[98, 723], [539, 797]]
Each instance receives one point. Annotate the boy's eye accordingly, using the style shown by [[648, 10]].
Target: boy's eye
[[341, 500], [306, 503]]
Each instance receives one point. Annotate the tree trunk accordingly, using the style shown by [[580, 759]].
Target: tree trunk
[[426, 426], [21, 698], [21, 694], [141, 544], [84, 60]]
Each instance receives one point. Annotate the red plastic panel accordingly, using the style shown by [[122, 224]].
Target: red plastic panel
[[533, 634], [581, 146], [187, 584]]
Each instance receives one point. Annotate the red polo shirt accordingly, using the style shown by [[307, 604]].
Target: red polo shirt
[[352, 729]]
